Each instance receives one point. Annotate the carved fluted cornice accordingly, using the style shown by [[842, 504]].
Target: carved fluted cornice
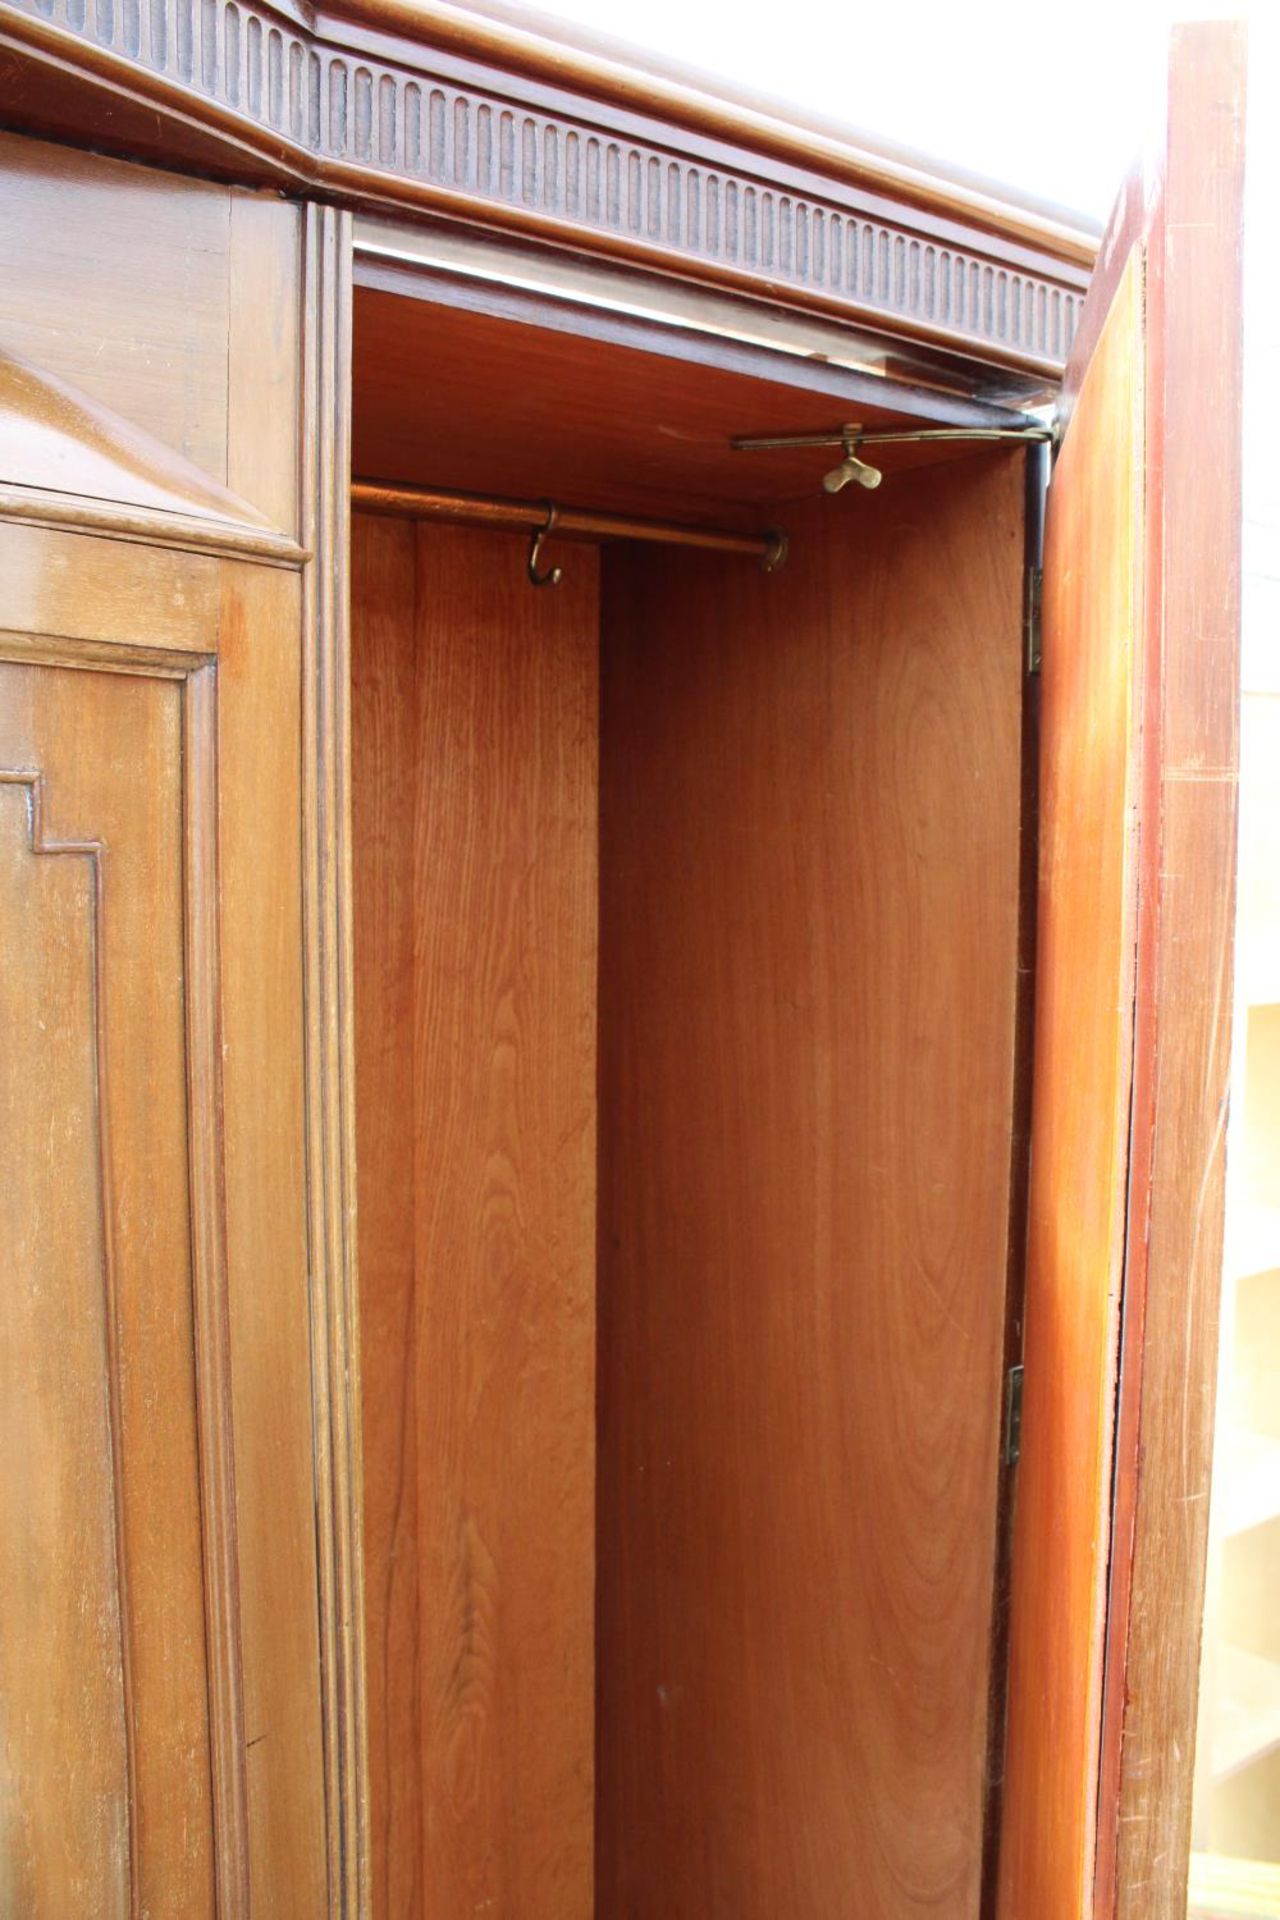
[[364, 110]]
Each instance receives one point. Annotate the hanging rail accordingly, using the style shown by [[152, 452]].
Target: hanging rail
[[542, 518]]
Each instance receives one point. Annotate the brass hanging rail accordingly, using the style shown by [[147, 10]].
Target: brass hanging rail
[[541, 518]]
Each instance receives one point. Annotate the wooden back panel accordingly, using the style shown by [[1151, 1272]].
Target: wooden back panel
[[809, 858], [474, 744]]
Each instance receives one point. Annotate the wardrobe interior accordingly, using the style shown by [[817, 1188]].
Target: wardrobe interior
[[687, 999]]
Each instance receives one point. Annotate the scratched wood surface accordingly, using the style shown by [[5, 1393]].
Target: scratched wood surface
[[1086, 949], [1165, 1434], [809, 858], [474, 742]]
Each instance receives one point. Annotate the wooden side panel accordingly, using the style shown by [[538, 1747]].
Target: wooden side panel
[[1086, 948], [475, 971], [809, 857]]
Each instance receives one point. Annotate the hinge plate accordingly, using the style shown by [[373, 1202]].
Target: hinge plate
[[1031, 616], [1013, 1415]]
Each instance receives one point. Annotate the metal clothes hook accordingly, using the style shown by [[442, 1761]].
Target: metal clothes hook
[[552, 575]]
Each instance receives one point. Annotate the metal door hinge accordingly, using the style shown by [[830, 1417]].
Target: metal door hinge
[[1013, 1416], [1031, 616]]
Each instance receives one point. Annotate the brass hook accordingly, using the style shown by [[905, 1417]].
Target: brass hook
[[775, 552], [553, 575]]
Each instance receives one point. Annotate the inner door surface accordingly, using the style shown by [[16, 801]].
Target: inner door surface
[[1130, 1068]]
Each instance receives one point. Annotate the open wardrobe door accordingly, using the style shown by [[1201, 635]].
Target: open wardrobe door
[[1138, 754]]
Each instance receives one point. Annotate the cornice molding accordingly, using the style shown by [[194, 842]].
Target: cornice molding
[[516, 42], [361, 112]]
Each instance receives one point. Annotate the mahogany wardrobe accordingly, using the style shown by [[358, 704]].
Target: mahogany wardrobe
[[609, 1118]]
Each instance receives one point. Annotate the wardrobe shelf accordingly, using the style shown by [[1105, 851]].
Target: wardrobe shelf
[[1249, 1493], [1246, 1721]]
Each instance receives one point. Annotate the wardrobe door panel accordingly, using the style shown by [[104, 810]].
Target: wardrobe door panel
[[100, 1546], [1132, 1033], [1083, 1088], [160, 1665], [158, 1544]]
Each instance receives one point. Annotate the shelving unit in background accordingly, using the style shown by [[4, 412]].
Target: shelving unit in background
[[1223, 1888], [1235, 1867], [1250, 1493], [1240, 1706], [1246, 1720]]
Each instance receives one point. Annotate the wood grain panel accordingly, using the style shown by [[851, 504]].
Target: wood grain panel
[[328, 996], [259, 815], [495, 416], [207, 1784], [264, 350], [1165, 1437], [476, 866], [108, 1803], [810, 846], [172, 302], [66, 1800], [1080, 1129], [383, 584], [120, 302], [176, 747], [106, 592]]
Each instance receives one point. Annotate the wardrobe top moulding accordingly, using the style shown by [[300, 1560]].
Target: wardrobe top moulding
[[487, 122]]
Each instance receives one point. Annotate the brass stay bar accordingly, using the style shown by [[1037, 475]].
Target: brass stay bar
[[851, 437]]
